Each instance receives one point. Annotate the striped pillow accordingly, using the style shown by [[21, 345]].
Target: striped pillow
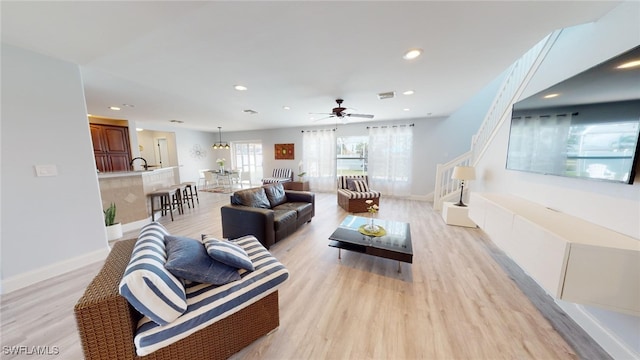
[[358, 186], [147, 285], [228, 253]]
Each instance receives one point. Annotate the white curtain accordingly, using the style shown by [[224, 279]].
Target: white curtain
[[319, 159], [390, 149]]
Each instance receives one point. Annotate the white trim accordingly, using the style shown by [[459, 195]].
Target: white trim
[[428, 197], [47, 272], [137, 224], [600, 334]]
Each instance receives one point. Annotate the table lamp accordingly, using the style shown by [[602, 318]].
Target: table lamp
[[463, 173]]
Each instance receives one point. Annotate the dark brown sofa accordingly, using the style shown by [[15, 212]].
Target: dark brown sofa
[[269, 212]]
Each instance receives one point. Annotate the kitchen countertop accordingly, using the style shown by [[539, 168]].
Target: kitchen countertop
[[105, 175]]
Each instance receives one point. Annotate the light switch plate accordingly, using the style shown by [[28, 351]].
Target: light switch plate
[[46, 170]]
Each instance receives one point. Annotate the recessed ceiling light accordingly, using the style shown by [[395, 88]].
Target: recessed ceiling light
[[286, 108], [629, 64], [412, 54], [406, 109], [551, 96], [139, 129], [240, 87], [115, 108], [408, 92]]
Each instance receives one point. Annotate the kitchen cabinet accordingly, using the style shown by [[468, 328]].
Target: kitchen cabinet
[[111, 147]]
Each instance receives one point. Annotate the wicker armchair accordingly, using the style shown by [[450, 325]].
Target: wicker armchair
[[107, 323]]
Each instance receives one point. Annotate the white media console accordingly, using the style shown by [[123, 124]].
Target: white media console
[[572, 259]]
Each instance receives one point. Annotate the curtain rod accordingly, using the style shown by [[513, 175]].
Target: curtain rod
[[319, 130], [386, 126], [545, 115]]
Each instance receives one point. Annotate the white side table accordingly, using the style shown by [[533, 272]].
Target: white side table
[[456, 215]]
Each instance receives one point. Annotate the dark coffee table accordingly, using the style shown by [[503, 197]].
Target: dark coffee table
[[395, 244]]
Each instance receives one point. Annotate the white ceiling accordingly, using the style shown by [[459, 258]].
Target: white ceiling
[[180, 60]]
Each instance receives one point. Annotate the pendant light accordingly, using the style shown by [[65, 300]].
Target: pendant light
[[220, 144]]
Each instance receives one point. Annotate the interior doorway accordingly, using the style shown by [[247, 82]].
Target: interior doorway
[[161, 151]]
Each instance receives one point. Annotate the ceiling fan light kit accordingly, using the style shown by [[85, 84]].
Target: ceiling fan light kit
[[339, 112]]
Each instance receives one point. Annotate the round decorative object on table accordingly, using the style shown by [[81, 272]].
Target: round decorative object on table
[[375, 231]]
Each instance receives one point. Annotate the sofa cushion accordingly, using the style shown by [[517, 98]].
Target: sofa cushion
[[255, 197], [228, 253], [302, 208], [188, 259], [148, 286], [283, 218], [209, 304], [276, 195]]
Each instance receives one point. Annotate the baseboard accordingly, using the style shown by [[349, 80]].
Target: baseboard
[[600, 334], [136, 224], [428, 197], [29, 278]]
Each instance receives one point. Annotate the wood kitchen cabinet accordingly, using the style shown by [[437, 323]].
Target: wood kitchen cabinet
[[111, 147]]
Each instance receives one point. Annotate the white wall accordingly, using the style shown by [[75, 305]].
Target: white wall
[[49, 225], [615, 206]]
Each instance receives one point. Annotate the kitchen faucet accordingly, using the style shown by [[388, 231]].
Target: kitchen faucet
[[146, 167]]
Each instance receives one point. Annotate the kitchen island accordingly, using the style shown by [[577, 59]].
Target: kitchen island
[[129, 189]]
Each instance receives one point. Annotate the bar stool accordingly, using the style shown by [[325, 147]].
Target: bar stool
[[191, 190], [164, 197], [177, 199]]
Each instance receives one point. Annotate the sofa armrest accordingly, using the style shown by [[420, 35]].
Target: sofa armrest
[[106, 322], [302, 196], [240, 220]]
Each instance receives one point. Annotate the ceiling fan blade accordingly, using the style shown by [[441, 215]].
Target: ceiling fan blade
[[320, 114], [366, 116], [324, 118]]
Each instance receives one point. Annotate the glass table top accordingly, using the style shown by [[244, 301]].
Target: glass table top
[[397, 237]]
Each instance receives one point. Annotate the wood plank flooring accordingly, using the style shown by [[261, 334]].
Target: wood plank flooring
[[458, 300]]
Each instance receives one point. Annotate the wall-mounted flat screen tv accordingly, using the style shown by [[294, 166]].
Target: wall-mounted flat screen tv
[[585, 127]]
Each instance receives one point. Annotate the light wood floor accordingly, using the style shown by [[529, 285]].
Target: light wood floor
[[456, 301]]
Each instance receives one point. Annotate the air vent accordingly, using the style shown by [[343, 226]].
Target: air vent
[[249, 111], [176, 121], [387, 95]]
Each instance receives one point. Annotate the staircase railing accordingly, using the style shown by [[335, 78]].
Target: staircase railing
[[446, 187], [519, 75]]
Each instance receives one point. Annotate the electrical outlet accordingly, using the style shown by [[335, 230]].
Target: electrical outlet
[[46, 170]]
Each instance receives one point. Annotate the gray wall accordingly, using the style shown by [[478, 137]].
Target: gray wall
[[436, 140], [46, 221], [615, 206]]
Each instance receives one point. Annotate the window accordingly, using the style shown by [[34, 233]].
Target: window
[[247, 157], [352, 152]]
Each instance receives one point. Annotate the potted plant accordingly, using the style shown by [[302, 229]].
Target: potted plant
[[114, 230]]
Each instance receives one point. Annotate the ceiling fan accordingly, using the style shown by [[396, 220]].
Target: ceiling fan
[[340, 113]]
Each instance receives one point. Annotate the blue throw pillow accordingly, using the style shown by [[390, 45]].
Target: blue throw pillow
[[228, 253], [188, 259]]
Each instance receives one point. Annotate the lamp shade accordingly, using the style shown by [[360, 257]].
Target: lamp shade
[[464, 173]]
